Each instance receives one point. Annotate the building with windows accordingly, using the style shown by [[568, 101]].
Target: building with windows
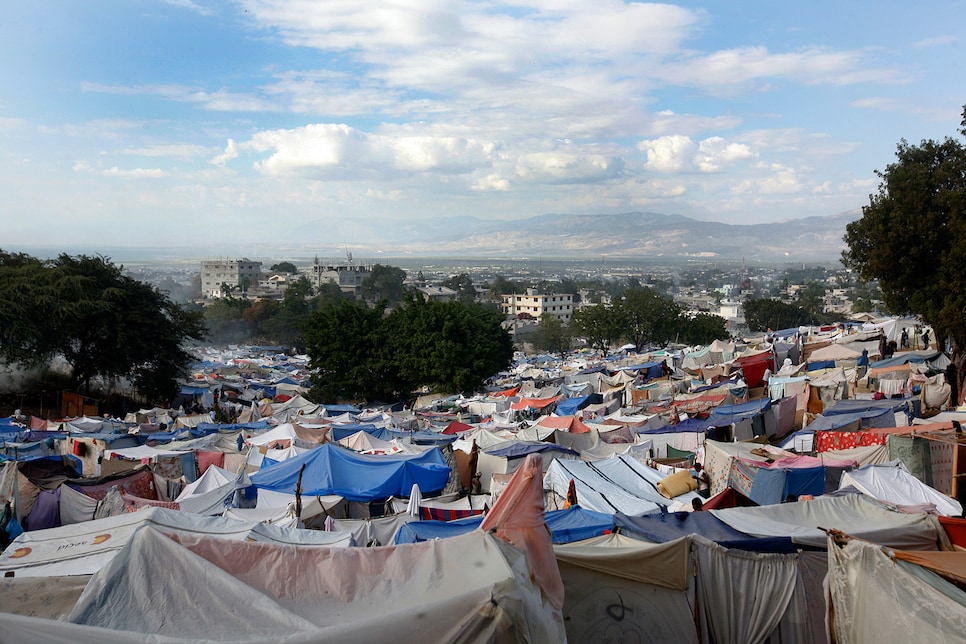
[[561, 306], [347, 276], [237, 274]]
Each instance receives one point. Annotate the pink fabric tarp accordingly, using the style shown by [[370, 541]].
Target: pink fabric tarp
[[517, 518]]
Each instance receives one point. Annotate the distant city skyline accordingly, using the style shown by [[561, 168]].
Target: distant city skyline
[[232, 125]]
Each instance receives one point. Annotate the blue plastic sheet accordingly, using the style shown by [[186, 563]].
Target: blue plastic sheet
[[330, 469]]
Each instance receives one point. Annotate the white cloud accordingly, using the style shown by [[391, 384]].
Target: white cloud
[[678, 153], [136, 173], [190, 6], [937, 41]]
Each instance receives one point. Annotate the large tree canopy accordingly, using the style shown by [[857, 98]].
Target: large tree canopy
[[360, 354], [102, 322], [912, 237], [766, 313], [647, 316], [384, 283]]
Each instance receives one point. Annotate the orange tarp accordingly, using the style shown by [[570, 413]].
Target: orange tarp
[[571, 424], [945, 563], [533, 403]]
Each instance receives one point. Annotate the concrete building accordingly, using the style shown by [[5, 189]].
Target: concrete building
[[535, 304], [437, 293], [347, 276], [238, 273]]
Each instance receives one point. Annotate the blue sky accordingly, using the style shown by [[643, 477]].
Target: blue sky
[[189, 122]]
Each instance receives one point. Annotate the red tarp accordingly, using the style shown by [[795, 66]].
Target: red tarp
[[457, 427]]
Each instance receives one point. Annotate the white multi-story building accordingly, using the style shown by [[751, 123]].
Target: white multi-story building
[[235, 273], [535, 304]]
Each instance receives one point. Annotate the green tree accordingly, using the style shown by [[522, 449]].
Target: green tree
[[345, 342], [449, 346], [225, 320], [284, 267], [912, 239], [384, 283], [285, 326], [463, 285], [647, 316], [765, 313], [599, 325], [501, 286], [552, 335], [812, 298], [101, 322], [702, 328]]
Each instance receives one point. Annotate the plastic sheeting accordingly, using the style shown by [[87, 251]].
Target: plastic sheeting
[[892, 483], [619, 484], [854, 514], [330, 469], [84, 548]]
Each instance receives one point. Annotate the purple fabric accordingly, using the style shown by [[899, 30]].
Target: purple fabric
[[45, 513]]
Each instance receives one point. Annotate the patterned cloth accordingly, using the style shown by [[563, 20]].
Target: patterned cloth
[[439, 514], [832, 440]]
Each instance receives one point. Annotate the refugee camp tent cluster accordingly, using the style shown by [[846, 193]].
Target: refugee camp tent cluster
[[178, 579], [612, 441]]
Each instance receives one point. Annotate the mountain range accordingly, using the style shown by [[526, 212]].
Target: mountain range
[[631, 235]]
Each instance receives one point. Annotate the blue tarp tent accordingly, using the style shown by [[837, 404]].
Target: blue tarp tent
[[576, 524], [852, 406], [571, 406], [519, 449], [651, 369], [869, 418], [566, 526], [660, 528], [330, 469], [338, 432], [727, 414]]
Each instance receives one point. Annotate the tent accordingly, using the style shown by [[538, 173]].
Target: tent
[[330, 469], [892, 483], [856, 514], [619, 589], [84, 548], [875, 596], [619, 484]]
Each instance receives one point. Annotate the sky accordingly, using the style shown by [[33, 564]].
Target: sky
[[329, 123]]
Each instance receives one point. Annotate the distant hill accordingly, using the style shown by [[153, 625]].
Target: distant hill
[[633, 234]]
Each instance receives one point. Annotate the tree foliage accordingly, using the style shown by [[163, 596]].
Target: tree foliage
[[384, 283], [362, 354], [599, 325], [101, 322], [345, 343], [766, 313], [647, 316], [702, 328], [552, 335], [463, 285], [284, 267], [912, 237]]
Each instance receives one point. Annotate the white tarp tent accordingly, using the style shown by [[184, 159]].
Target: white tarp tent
[[618, 484], [855, 514], [892, 483], [84, 548]]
